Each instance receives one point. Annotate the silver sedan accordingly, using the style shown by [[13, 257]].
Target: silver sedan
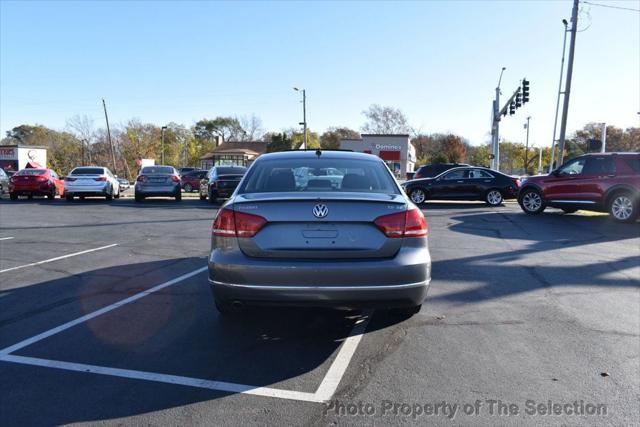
[[153, 181], [280, 240]]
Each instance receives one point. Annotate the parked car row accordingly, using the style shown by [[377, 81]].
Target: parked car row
[[603, 182]]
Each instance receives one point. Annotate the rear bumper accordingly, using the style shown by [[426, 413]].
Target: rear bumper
[[87, 190], [158, 190], [399, 282]]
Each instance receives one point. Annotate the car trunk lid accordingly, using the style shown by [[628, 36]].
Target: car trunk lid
[[319, 226]]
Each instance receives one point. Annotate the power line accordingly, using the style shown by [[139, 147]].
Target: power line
[[611, 7]]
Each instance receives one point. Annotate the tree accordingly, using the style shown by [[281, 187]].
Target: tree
[[478, 155], [385, 120], [83, 129], [330, 139], [279, 142], [251, 128], [227, 128], [297, 139], [439, 148]]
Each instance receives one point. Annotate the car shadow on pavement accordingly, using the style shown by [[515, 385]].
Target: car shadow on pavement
[[174, 331], [535, 238]]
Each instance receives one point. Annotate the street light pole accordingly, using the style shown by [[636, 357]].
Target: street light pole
[[304, 115], [555, 122], [162, 139], [567, 86], [526, 148], [495, 127]]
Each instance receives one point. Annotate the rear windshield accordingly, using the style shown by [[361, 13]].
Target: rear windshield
[[87, 171], [31, 172], [231, 171], [157, 169], [313, 175]]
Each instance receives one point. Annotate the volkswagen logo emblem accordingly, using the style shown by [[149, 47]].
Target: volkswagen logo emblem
[[320, 210]]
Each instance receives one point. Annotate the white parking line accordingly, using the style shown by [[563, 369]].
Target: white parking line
[[6, 238], [325, 391], [58, 258]]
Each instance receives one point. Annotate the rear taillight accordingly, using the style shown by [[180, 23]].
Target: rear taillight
[[174, 178], [102, 178], [141, 178], [411, 223], [239, 224], [69, 179], [516, 182]]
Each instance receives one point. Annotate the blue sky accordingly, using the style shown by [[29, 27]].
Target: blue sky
[[438, 61]]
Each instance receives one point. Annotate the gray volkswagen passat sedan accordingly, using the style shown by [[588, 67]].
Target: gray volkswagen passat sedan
[[158, 180], [286, 240]]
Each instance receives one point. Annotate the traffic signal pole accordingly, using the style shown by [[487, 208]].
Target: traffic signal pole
[[495, 128]]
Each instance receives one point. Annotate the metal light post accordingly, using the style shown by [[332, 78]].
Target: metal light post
[[555, 122], [162, 139], [526, 147], [495, 127], [567, 86], [304, 114]]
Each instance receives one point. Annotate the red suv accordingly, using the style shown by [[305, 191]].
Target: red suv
[[604, 182]]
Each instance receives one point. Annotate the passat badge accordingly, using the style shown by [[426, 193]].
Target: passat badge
[[320, 210]]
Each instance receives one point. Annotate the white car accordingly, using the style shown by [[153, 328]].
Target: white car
[[91, 181]]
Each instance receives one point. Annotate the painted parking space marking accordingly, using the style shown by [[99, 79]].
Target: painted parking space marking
[[324, 392], [6, 238], [58, 258]]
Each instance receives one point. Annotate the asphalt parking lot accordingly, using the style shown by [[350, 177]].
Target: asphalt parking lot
[[106, 316]]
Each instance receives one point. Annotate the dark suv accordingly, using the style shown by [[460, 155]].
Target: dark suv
[[604, 182], [435, 169]]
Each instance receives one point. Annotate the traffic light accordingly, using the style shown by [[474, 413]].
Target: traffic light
[[525, 91], [512, 108], [518, 100]]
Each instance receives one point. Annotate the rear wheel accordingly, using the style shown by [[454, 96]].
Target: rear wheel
[[109, 197], [188, 188], [569, 210], [13, 196], [212, 197], [531, 202], [493, 197], [139, 198], [622, 207], [178, 197], [203, 197], [68, 197], [418, 196]]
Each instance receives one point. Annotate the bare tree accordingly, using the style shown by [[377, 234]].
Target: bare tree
[[385, 120], [82, 127], [252, 127]]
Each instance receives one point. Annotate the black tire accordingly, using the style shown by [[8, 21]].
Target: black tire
[[139, 198], [109, 197], [623, 208], [30, 197], [493, 197], [68, 197], [569, 210], [188, 188], [203, 197], [531, 201], [53, 194], [212, 199], [418, 195], [13, 196], [405, 312], [117, 195], [178, 197]]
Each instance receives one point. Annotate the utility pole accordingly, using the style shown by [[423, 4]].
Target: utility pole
[[604, 138], [555, 121], [162, 139], [526, 147], [567, 86], [304, 115], [113, 152], [495, 126]]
